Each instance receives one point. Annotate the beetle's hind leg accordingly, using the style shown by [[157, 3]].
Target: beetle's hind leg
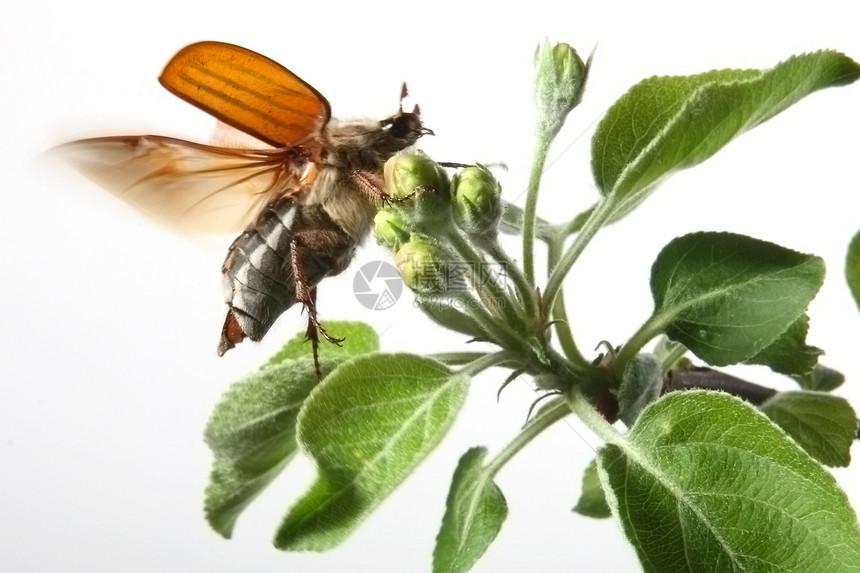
[[307, 247]]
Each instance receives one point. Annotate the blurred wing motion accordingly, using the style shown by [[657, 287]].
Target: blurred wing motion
[[193, 187], [202, 188], [249, 92]]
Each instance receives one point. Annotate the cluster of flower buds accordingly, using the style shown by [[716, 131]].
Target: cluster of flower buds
[[426, 208]]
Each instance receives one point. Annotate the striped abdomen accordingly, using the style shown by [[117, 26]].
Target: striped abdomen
[[258, 275]]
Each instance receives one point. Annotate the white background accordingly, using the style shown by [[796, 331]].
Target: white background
[[109, 323]]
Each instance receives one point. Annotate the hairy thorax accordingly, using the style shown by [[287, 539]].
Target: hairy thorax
[[353, 147]]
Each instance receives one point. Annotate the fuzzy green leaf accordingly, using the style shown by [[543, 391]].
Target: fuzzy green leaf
[[728, 297], [705, 482], [824, 425], [368, 425], [358, 338], [474, 514], [821, 379], [664, 124], [252, 431], [252, 437], [852, 267], [592, 500], [789, 354]]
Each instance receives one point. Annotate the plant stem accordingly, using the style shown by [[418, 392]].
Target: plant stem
[[488, 361], [530, 212], [640, 338], [602, 212], [574, 225], [498, 294], [457, 358], [676, 354], [708, 379], [551, 413], [559, 312], [499, 332], [580, 406], [524, 289]]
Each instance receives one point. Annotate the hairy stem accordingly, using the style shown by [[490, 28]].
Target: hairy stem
[[598, 217], [550, 414], [530, 212], [580, 406], [498, 331], [457, 358], [674, 355], [559, 312], [524, 290], [484, 281], [647, 332], [503, 357]]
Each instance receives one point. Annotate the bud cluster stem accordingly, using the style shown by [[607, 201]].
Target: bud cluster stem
[[559, 311], [525, 291], [530, 210], [499, 331], [500, 358], [488, 283]]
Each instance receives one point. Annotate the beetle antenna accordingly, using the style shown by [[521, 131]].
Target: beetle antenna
[[403, 93]]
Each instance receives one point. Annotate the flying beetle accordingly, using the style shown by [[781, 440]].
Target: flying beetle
[[302, 200]]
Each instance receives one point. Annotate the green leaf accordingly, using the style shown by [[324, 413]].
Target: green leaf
[[368, 425], [512, 223], [252, 431], [664, 124], [592, 500], [452, 318], [852, 267], [705, 482], [474, 514], [789, 354], [821, 379], [822, 424], [359, 338], [252, 436], [728, 297], [641, 384]]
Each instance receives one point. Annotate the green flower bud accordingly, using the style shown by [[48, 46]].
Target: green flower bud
[[477, 201], [560, 76], [390, 229], [420, 188], [422, 266]]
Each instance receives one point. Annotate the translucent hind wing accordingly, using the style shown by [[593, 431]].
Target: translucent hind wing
[[189, 186]]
